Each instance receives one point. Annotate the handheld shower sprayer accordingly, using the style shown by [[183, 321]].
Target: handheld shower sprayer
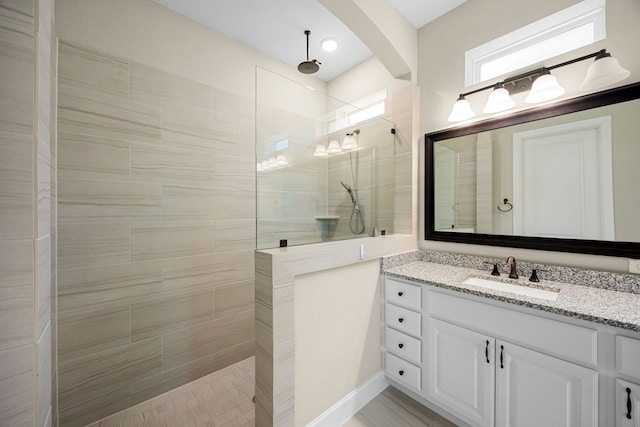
[[349, 190]]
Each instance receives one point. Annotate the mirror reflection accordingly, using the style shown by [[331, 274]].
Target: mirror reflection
[[572, 176]]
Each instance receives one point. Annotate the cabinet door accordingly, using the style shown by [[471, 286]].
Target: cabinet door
[[627, 404], [461, 372], [536, 390]]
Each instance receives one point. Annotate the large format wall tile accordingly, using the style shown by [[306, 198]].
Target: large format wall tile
[[234, 298], [17, 68], [43, 351], [190, 344], [91, 157], [100, 288], [231, 108], [167, 380], [170, 165], [16, 293], [188, 203], [199, 132], [16, 185], [106, 116], [90, 245], [102, 201], [199, 272], [93, 71], [43, 283], [16, 387], [97, 374], [94, 409], [155, 87], [160, 316], [171, 239], [92, 332]]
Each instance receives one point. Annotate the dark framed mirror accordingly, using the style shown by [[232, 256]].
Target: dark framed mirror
[[563, 177]]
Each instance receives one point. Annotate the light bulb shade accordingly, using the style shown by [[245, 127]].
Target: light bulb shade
[[544, 88], [265, 165], [281, 160], [499, 100], [349, 142], [272, 163], [603, 72], [333, 147], [461, 111], [320, 151]]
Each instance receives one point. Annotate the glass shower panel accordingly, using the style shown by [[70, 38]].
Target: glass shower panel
[[304, 198]]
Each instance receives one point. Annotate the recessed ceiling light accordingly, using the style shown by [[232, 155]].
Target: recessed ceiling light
[[329, 45]]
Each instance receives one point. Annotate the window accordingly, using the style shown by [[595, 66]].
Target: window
[[363, 109], [564, 31]]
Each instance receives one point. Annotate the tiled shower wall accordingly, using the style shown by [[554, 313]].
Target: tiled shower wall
[[156, 224], [27, 234]]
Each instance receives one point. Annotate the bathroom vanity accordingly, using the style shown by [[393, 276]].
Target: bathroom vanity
[[491, 357]]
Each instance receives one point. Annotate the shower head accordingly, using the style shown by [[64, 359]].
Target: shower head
[[309, 66], [350, 191]]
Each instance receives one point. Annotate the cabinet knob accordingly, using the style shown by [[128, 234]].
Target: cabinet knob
[[400, 293], [401, 320], [401, 373], [400, 345], [629, 407]]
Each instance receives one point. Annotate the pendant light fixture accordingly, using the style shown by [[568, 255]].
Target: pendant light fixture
[[543, 86]]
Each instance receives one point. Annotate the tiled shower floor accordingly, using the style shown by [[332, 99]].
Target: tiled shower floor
[[222, 398]]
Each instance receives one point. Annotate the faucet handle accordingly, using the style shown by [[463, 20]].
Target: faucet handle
[[495, 271], [534, 275]]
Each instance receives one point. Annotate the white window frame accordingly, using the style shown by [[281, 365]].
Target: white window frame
[[585, 12], [368, 107]]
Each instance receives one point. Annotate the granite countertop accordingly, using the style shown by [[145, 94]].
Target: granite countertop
[[614, 308]]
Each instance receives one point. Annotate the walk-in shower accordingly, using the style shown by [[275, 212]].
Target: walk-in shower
[[338, 183]]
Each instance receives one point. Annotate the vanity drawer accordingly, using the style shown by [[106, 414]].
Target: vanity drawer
[[407, 347], [628, 356], [404, 294], [402, 371], [403, 320]]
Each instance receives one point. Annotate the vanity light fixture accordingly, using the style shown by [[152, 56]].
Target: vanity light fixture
[[350, 140], [499, 100], [281, 160], [543, 86], [333, 147], [320, 151]]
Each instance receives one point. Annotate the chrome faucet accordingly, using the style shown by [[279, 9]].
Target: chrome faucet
[[514, 271]]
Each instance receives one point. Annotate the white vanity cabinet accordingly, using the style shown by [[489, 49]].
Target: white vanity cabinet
[[627, 393], [403, 333], [490, 365]]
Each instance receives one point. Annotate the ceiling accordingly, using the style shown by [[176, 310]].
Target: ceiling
[[276, 27]]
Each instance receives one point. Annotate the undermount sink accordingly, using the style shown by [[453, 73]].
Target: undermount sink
[[550, 295]]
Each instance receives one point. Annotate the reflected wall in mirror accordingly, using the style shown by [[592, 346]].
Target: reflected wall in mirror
[[563, 177]]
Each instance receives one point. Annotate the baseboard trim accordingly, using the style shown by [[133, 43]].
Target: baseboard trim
[[349, 405]]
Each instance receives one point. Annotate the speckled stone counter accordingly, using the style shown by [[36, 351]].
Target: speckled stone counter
[[593, 303]]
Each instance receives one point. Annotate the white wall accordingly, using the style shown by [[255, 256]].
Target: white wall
[[337, 335], [442, 44], [151, 34]]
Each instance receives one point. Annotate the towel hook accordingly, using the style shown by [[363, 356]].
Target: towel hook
[[506, 203]]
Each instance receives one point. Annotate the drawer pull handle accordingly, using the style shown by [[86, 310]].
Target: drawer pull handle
[[400, 345], [501, 354], [401, 320], [628, 390], [486, 352], [400, 293], [401, 372]]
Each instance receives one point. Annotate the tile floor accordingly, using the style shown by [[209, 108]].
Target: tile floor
[[223, 399]]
